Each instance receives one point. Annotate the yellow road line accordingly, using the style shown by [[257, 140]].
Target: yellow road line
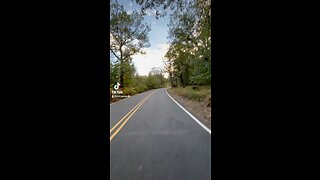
[[116, 132], [126, 115]]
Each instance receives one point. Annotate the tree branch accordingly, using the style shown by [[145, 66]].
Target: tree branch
[[130, 54], [115, 54]]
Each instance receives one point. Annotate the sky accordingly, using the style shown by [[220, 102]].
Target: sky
[[157, 38]]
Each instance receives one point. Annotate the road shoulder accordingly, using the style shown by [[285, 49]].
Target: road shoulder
[[197, 109]]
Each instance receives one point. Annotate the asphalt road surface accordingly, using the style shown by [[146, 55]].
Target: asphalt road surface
[[158, 140]]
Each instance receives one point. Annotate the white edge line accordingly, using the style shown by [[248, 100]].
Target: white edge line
[[194, 118]]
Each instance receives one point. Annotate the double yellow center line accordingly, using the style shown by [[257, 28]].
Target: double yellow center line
[[124, 120]]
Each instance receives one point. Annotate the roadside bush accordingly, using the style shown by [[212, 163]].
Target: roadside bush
[[141, 88], [195, 87], [129, 91], [152, 82], [197, 95]]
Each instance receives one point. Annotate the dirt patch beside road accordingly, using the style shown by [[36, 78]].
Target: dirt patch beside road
[[200, 109]]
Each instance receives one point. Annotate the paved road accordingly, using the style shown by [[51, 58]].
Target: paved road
[[159, 141]]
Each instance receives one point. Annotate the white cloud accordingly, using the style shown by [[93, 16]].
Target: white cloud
[[152, 58], [163, 46], [151, 12]]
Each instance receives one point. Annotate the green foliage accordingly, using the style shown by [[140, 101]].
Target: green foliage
[[129, 91], [189, 54], [198, 94], [158, 5], [188, 60], [128, 32], [139, 84], [114, 73], [141, 88], [128, 36], [128, 72], [152, 82]]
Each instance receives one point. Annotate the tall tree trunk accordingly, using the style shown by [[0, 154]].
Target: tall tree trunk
[[121, 77], [121, 66], [171, 79], [187, 75], [182, 81], [121, 73]]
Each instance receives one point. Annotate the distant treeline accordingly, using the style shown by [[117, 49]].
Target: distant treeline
[[134, 83]]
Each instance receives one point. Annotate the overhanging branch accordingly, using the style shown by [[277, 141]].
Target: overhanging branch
[[115, 54]]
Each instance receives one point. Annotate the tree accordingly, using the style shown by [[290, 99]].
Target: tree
[[128, 34], [190, 48], [128, 73], [114, 73], [160, 4], [168, 67]]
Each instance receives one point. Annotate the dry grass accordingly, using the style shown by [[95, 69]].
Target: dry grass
[[199, 94]]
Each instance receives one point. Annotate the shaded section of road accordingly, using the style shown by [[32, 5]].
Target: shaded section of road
[[161, 141]]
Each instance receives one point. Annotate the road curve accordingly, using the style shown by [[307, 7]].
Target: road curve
[[158, 141]]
